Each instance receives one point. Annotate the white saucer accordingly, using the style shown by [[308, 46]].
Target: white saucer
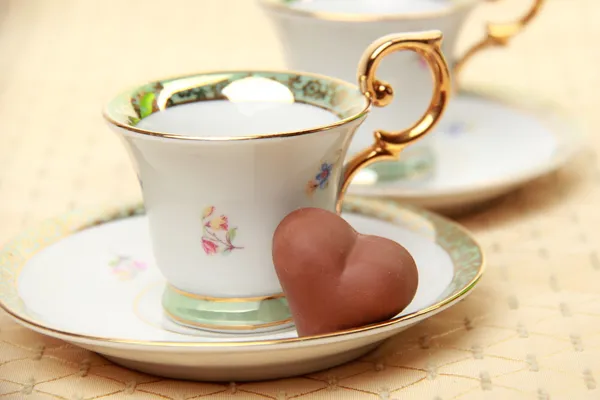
[[89, 278], [488, 143]]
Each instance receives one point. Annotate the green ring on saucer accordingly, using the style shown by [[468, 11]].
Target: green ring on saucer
[[414, 164]]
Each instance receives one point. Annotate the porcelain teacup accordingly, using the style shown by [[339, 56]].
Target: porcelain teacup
[[324, 36], [222, 157]]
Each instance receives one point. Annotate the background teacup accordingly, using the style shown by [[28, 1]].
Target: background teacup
[[324, 36], [223, 157]]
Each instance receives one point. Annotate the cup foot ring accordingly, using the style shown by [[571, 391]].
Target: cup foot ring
[[225, 315]]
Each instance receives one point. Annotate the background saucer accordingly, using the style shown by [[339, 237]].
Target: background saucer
[[489, 142]]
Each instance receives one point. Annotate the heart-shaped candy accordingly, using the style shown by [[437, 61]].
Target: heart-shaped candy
[[335, 278]]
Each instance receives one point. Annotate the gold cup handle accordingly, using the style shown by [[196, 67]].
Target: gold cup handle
[[389, 145], [499, 35]]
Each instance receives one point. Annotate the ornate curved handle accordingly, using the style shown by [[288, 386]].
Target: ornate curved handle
[[499, 35], [389, 145]]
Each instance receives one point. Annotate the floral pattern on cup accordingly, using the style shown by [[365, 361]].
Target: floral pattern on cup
[[217, 235], [144, 102], [457, 128], [153, 97], [321, 180], [126, 268]]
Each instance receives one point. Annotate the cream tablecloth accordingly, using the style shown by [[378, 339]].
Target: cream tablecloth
[[530, 331]]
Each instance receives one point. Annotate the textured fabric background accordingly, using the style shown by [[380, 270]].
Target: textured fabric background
[[530, 331]]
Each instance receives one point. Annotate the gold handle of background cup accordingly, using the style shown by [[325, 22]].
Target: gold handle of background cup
[[499, 35], [389, 145]]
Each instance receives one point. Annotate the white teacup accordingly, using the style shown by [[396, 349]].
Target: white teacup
[[325, 36], [223, 157]]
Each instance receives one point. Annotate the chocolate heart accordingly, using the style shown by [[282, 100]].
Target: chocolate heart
[[336, 278]]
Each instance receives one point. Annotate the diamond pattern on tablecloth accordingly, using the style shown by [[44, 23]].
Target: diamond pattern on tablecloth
[[137, 395], [35, 371], [126, 377], [285, 388], [480, 336], [519, 348], [235, 393], [517, 314], [342, 372], [180, 389], [10, 353], [496, 393], [384, 378], [28, 339], [566, 327], [76, 356], [572, 362], [437, 387], [485, 366], [335, 392], [33, 395], [82, 386], [426, 359], [534, 381], [9, 388]]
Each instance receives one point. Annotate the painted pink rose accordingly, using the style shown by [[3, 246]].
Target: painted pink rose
[[140, 265], [217, 235], [219, 223], [209, 247], [208, 212]]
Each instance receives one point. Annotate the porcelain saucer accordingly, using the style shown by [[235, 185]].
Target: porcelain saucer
[[89, 278], [489, 142]]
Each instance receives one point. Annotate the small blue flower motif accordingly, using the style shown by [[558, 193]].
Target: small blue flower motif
[[458, 127], [321, 179], [323, 176]]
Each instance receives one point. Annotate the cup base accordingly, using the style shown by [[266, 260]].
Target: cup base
[[226, 315]]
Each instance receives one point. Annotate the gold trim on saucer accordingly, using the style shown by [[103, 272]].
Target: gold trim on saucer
[[284, 7], [448, 234]]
